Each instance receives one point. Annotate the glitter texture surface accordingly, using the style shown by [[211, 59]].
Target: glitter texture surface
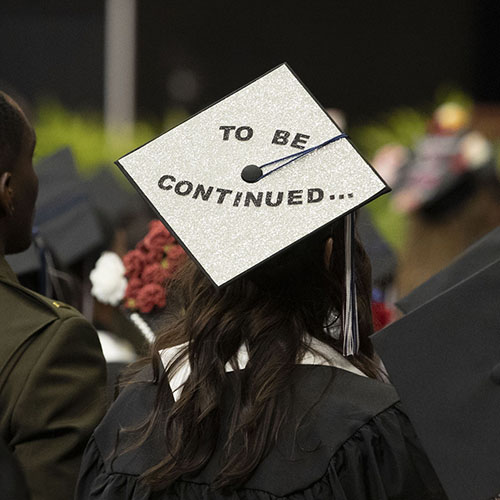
[[228, 240]]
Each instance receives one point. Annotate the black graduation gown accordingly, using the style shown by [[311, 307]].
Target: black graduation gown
[[354, 444]]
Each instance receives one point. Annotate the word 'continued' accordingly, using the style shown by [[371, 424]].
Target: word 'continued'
[[247, 198]]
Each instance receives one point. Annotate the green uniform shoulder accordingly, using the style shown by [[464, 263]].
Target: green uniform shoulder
[[56, 306], [23, 298], [30, 322]]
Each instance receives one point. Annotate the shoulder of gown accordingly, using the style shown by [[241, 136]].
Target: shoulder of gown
[[354, 442]]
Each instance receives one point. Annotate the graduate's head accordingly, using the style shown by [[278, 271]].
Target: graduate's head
[[303, 288], [18, 181]]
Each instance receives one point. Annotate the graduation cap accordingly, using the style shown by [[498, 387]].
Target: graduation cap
[[64, 219], [251, 175], [479, 255], [444, 360], [111, 198]]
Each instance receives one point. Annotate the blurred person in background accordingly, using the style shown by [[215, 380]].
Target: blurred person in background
[[52, 372], [449, 188], [76, 219]]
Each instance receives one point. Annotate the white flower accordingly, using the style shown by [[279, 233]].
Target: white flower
[[108, 279], [475, 149]]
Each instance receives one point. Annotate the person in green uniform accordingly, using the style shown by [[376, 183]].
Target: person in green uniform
[[52, 372]]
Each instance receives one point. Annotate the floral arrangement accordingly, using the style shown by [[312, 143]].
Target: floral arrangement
[[138, 280]]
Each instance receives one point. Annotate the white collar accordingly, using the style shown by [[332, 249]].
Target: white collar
[[317, 353]]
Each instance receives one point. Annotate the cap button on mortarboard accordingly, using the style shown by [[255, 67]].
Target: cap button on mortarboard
[[495, 374], [251, 173]]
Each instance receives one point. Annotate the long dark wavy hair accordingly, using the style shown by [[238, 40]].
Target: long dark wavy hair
[[269, 309]]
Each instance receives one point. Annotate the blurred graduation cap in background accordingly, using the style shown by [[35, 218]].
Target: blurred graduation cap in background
[[118, 207], [479, 255], [65, 222], [444, 360], [110, 198]]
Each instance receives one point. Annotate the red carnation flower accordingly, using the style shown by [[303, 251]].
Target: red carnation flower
[[382, 315], [154, 255], [156, 225], [155, 273], [134, 262], [175, 254], [133, 287], [141, 247], [149, 296], [158, 236]]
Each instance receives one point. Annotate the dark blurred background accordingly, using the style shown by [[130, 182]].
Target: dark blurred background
[[364, 57]]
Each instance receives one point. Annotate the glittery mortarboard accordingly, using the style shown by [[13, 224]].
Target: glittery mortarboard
[[251, 175]]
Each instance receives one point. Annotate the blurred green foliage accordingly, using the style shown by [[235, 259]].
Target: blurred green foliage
[[402, 126], [84, 132], [57, 127]]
